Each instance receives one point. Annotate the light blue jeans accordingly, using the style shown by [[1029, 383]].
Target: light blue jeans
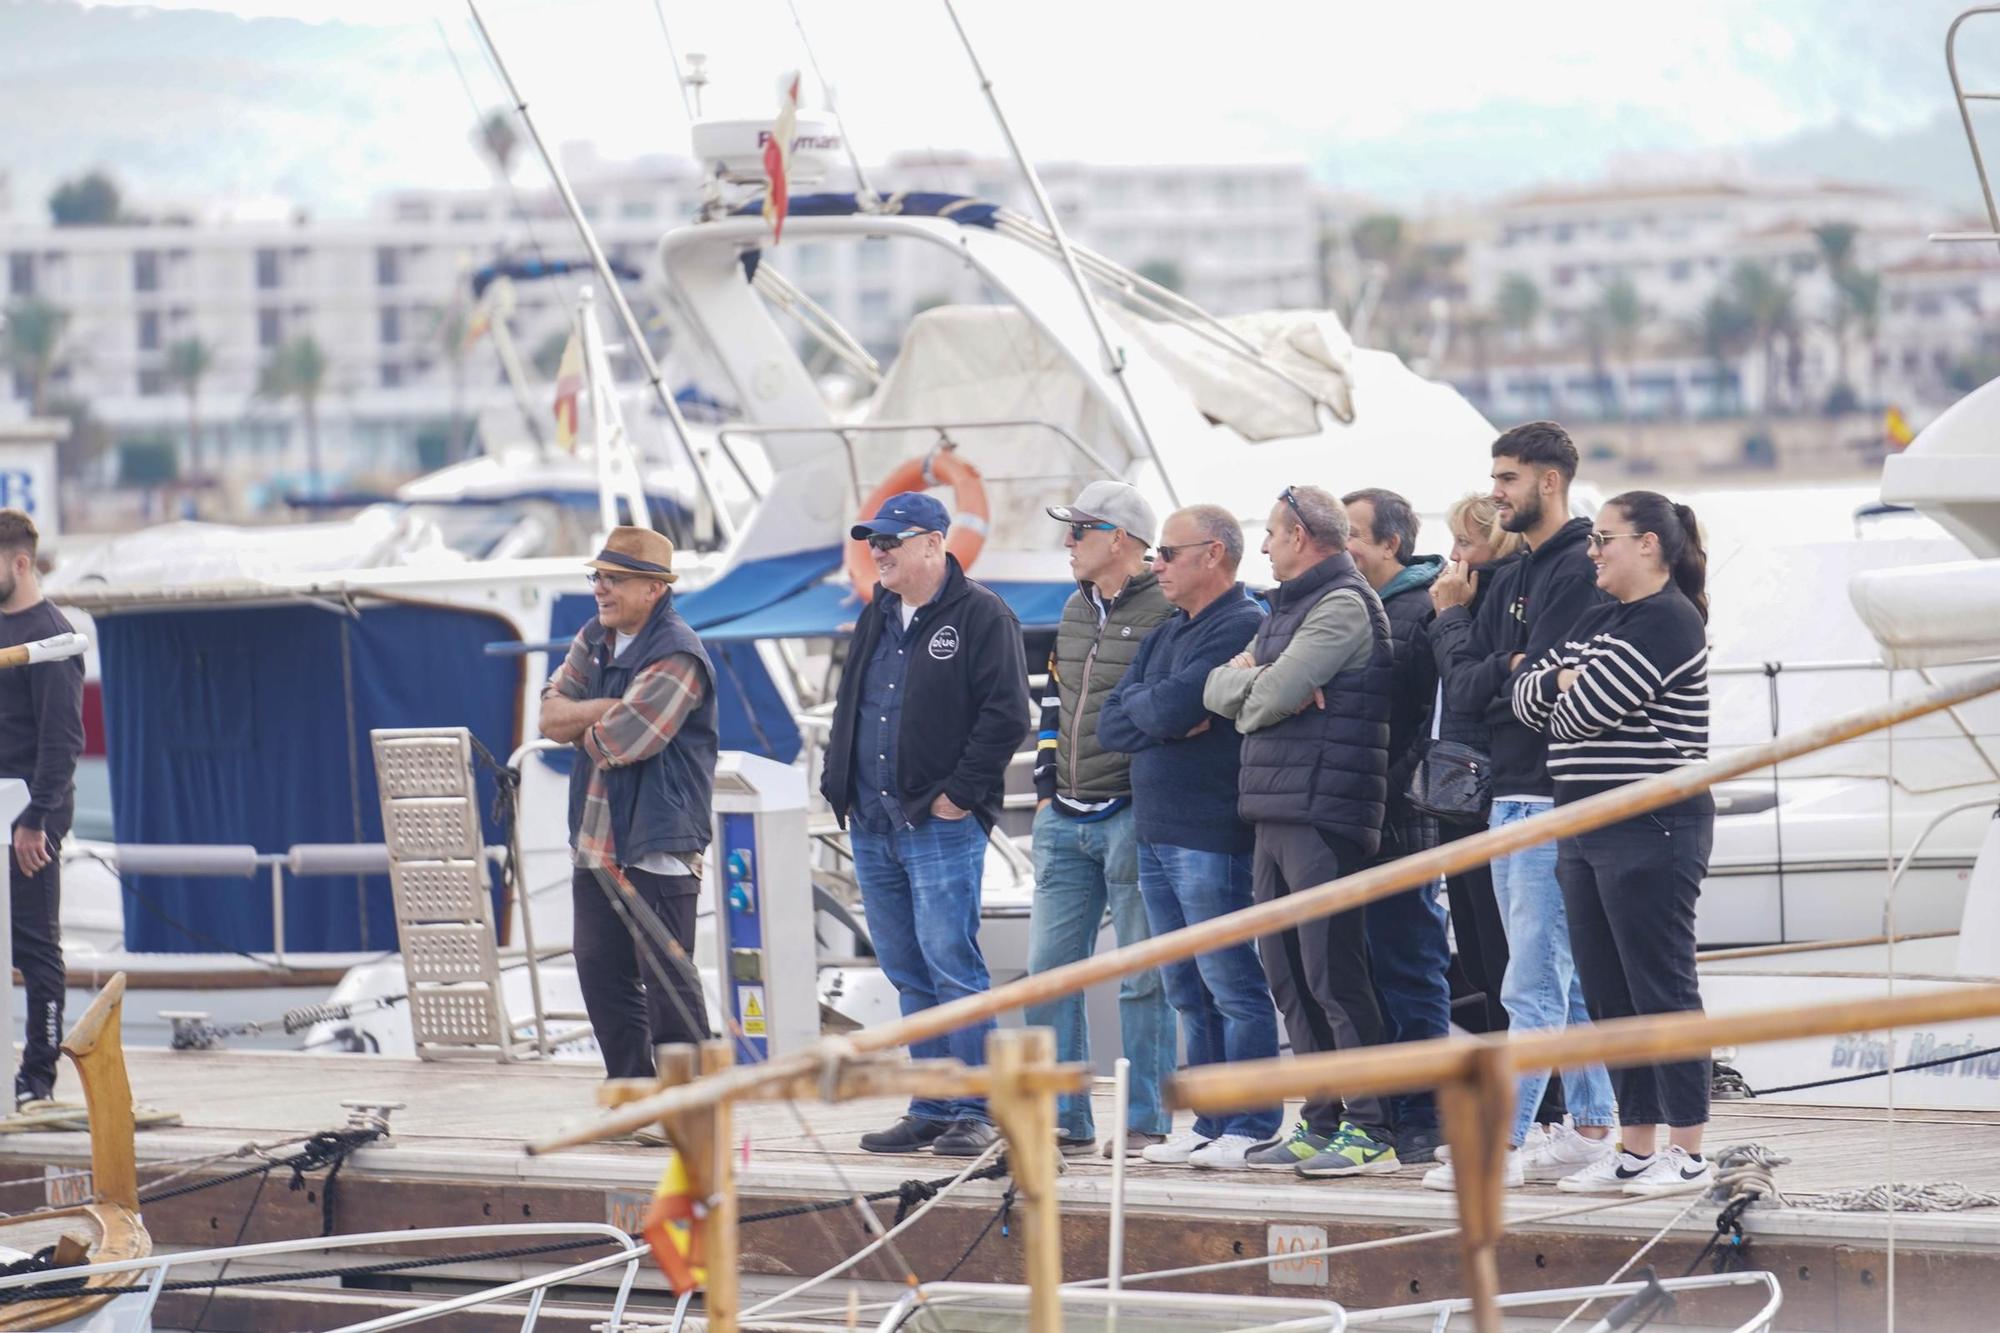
[[1080, 869], [1542, 989]]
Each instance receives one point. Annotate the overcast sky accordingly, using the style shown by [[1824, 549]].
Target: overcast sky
[[329, 101]]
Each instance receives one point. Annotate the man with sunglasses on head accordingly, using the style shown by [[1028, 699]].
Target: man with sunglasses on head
[[1311, 695], [1194, 852], [1086, 845], [636, 697], [933, 703]]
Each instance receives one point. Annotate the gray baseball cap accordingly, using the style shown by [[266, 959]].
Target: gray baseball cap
[[1115, 502]]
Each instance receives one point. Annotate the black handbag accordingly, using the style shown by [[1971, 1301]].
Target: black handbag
[[1452, 781]]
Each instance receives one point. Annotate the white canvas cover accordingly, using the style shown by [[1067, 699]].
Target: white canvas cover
[[1312, 347]]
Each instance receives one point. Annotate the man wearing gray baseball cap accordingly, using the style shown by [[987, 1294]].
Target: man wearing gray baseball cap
[[1086, 841]]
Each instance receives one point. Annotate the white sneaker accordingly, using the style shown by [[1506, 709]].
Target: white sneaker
[[1223, 1154], [1440, 1177], [1176, 1150], [1562, 1152], [1609, 1174], [1671, 1172], [1536, 1132]]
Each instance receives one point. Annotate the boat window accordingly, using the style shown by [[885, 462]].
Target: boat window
[[514, 530]]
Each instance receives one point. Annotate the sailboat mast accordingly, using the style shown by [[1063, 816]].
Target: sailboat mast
[[1114, 358], [633, 333]]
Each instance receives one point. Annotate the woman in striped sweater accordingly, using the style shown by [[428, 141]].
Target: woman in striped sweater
[[1626, 697]]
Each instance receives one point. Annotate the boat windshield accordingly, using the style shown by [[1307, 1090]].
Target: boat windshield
[[514, 529]]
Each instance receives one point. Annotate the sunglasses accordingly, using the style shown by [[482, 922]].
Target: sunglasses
[[1166, 555], [1076, 530], [1597, 539], [884, 542], [1298, 513]]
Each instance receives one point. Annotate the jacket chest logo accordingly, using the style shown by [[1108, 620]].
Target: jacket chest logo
[[944, 644], [1125, 632]]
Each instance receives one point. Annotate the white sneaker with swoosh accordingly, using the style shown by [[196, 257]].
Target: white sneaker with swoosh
[[1609, 1174], [1671, 1172]]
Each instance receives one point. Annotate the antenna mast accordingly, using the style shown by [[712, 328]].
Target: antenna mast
[[634, 335]]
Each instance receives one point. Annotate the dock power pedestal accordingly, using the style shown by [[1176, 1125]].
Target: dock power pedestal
[[761, 874]]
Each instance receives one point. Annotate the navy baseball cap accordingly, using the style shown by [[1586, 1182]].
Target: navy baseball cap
[[900, 513]]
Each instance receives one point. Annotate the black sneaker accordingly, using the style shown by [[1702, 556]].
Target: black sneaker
[[31, 1092], [1074, 1147], [965, 1138], [913, 1133], [1417, 1146]]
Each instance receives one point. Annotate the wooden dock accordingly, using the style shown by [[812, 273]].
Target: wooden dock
[[457, 1158]]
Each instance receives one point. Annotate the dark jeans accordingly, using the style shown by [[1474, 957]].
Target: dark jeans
[[1318, 971], [38, 953], [629, 1011], [1409, 957], [1630, 891]]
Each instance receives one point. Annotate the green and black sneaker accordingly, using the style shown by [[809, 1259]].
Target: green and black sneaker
[[1287, 1153], [1353, 1152]]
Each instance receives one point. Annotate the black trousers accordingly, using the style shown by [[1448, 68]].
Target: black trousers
[[37, 917], [1319, 970], [1630, 891], [629, 1011]]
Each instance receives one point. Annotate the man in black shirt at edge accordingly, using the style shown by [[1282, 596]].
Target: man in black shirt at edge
[[41, 735]]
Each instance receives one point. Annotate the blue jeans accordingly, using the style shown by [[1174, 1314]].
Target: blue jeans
[[920, 894], [1080, 869], [1222, 998], [1541, 988], [1409, 956]]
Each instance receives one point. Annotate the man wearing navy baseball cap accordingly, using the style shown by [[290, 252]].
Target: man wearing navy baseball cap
[[933, 703]]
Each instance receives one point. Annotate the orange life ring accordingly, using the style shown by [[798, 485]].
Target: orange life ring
[[941, 467]]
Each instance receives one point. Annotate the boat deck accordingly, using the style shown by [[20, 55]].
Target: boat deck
[[457, 1157]]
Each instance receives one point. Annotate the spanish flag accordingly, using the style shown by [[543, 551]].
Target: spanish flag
[[569, 384], [1897, 427], [778, 160]]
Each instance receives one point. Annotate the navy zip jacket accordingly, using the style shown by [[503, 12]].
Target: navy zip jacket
[[965, 704], [1183, 787], [1533, 604]]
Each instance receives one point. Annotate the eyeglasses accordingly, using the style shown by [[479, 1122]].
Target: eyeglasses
[[1289, 498], [1166, 555], [1076, 530], [600, 578], [1597, 539], [885, 542]]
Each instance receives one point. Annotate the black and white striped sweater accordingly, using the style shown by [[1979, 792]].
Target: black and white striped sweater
[[1639, 704]]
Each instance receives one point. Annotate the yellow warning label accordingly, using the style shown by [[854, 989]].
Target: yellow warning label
[[752, 1000]]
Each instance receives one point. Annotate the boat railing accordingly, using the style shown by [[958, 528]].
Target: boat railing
[[944, 430], [1965, 100], [1185, 1309], [155, 1269]]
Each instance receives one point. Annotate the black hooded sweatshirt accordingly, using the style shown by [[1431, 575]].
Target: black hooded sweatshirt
[[1530, 606]]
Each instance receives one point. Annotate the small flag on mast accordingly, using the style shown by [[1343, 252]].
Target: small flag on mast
[[778, 160], [569, 384]]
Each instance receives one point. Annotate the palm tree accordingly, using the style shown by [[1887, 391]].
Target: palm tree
[[1861, 293], [1836, 247], [1622, 313], [298, 370], [1518, 304], [1768, 301], [32, 345], [1723, 328], [496, 138], [188, 361]]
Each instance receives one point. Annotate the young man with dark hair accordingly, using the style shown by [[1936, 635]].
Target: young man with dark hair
[[41, 735], [1531, 607]]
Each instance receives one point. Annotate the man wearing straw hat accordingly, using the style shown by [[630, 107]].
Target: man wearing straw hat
[[636, 697]]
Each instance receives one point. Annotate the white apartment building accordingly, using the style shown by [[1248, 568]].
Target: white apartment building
[[373, 292]]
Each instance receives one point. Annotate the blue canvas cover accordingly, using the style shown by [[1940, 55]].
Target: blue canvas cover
[[251, 725]]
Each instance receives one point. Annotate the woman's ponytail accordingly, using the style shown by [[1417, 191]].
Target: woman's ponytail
[[1681, 547]]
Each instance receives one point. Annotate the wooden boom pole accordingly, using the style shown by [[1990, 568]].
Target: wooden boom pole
[[1251, 923]]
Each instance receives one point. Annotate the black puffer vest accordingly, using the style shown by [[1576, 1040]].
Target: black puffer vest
[[1328, 769]]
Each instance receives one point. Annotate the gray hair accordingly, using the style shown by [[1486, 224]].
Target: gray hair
[[1325, 517], [1393, 518], [1219, 525]]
